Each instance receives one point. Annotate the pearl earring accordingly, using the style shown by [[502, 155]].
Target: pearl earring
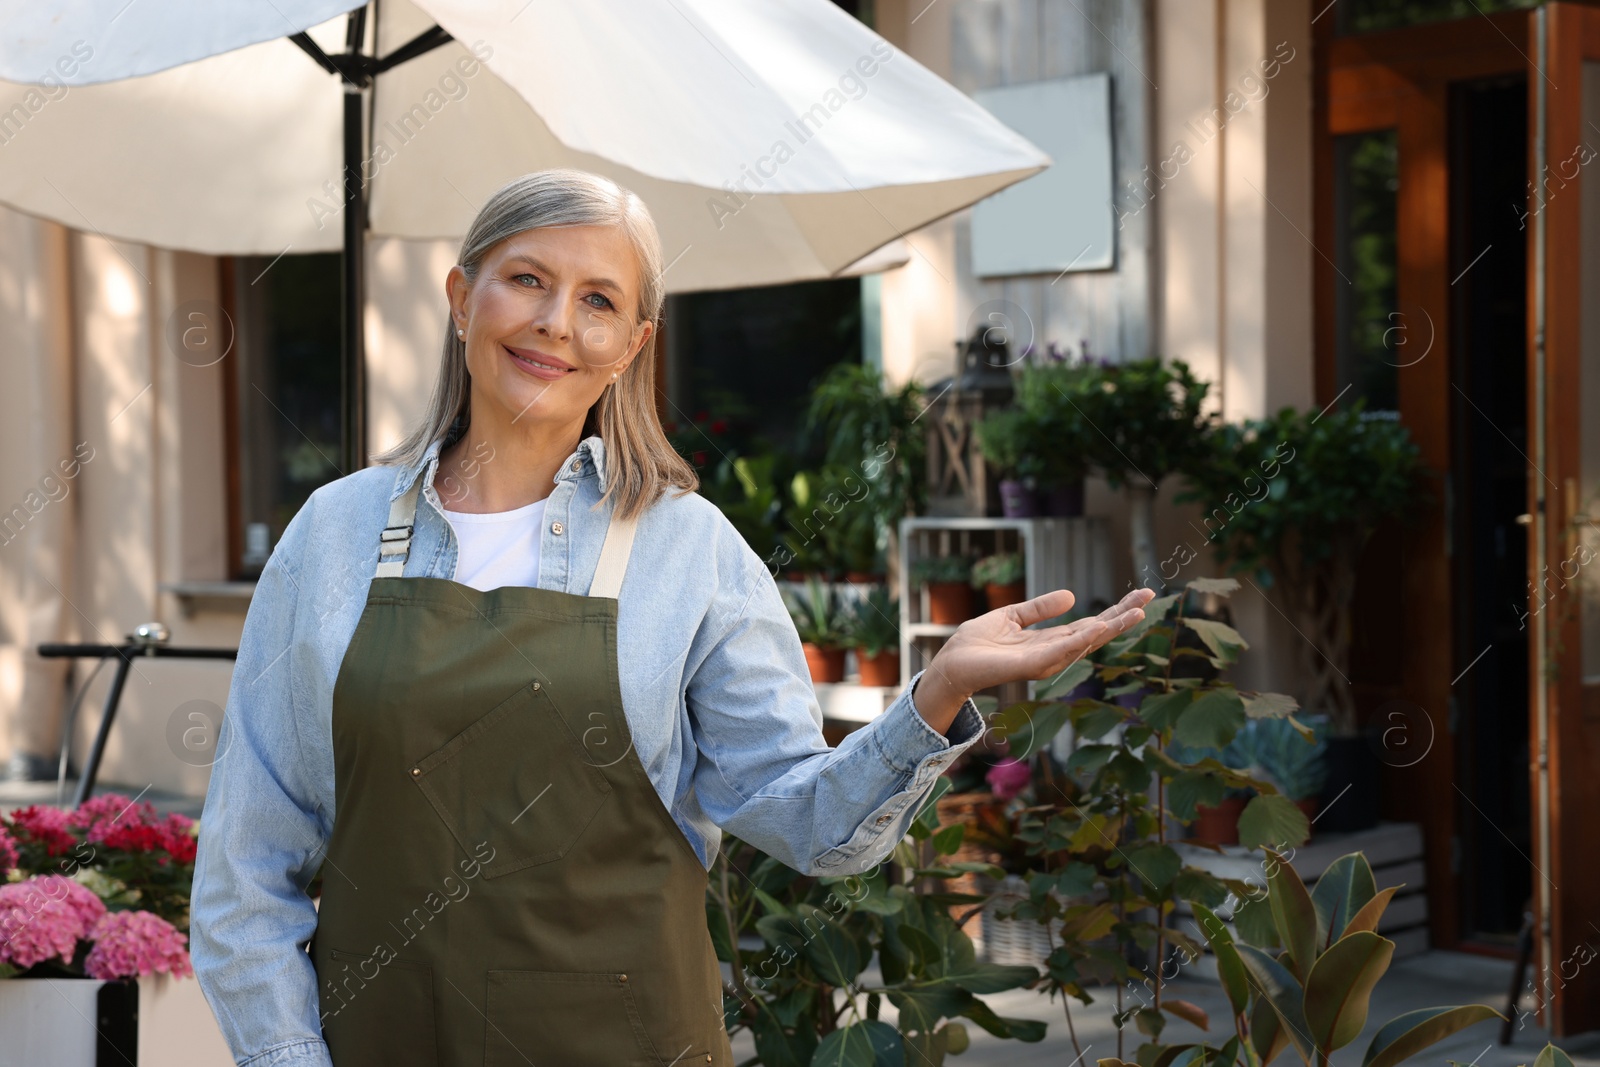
[[461, 333]]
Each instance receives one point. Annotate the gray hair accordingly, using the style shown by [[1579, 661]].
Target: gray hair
[[640, 462]]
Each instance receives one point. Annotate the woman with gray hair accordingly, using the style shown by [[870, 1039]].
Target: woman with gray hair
[[508, 728]]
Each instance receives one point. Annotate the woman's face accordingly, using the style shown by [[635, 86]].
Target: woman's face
[[548, 320]]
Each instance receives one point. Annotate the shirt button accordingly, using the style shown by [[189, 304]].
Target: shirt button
[[415, 771], [555, 528], [884, 819], [577, 466]]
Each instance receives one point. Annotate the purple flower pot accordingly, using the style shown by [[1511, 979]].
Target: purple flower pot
[[1063, 501], [1017, 501]]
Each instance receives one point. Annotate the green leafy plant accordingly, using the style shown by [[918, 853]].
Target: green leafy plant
[[931, 569], [1105, 867], [874, 623], [831, 524], [800, 993], [817, 615], [1051, 425], [1294, 498], [1009, 439], [1002, 568], [1273, 749], [1314, 995]]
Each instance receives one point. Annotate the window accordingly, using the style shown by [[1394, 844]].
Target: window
[[284, 425], [1368, 16], [1366, 187]]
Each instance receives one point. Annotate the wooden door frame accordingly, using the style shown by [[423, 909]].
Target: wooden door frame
[[1401, 79], [1573, 37]]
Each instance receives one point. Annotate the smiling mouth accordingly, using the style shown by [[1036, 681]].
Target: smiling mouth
[[558, 368]]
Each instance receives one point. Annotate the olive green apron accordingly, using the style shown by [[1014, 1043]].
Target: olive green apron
[[503, 885]]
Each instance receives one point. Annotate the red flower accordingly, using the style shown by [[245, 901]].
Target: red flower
[[671, 427], [45, 826], [701, 416], [719, 425], [699, 459]]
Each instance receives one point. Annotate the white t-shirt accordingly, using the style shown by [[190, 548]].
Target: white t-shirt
[[498, 548]]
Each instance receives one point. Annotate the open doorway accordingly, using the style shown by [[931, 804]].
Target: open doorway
[[1488, 490]]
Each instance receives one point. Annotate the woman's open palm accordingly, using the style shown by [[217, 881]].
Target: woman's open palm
[[998, 647]]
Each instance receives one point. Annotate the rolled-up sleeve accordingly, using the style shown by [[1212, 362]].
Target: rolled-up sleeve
[[767, 775], [262, 832]]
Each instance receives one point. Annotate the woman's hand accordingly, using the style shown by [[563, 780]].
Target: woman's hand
[[998, 647]]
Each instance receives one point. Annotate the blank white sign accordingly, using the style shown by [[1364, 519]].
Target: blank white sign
[[1063, 217]]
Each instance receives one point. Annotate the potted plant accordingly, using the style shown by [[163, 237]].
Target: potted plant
[[1002, 437], [1150, 425], [1000, 576], [1293, 499], [94, 919], [1218, 823], [1055, 434], [1297, 765], [948, 581], [821, 626], [874, 633]]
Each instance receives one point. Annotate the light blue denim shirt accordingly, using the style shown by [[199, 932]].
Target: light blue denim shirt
[[714, 687]]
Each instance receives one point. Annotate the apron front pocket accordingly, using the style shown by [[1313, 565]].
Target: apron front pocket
[[515, 782], [378, 1014], [566, 1017]]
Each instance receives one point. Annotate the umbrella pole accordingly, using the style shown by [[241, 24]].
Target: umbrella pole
[[353, 377]]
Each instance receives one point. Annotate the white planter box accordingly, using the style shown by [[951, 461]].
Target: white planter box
[[54, 1022]]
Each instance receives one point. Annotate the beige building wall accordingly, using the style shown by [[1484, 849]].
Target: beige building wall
[[1228, 85]]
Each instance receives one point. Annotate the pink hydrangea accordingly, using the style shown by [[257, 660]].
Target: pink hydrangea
[[44, 917], [1008, 777], [132, 944]]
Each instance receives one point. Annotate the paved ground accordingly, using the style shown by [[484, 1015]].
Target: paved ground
[[1418, 982]]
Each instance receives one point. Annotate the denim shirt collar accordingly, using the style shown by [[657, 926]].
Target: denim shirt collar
[[591, 457]]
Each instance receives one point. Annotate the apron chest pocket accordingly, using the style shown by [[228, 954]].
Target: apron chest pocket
[[564, 1017], [516, 781]]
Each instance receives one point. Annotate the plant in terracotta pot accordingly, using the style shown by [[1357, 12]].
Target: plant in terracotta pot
[[874, 633], [1218, 823], [1000, 576], [948, 579], [821, 625]]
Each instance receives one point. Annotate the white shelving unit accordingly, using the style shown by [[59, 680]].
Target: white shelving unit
[[1057, 553]]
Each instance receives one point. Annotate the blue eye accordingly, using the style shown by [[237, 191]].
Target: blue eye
[[606, 301], [525, 275]]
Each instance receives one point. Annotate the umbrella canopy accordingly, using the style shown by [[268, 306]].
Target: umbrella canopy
[[774, 141]]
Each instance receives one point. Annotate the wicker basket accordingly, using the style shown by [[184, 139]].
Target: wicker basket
[[957, 808], [1013, 941]]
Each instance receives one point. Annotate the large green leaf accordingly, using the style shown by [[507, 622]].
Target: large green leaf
[[1157, 864], [1372, 911], [1274, 984], [1406, 1035], [976, 976], [1341, 892], [1252, 917], [1230, 970], [1220, 638], [1211, 719], [870, 1043], [1191, 788], [776, 1047], [922, 1006], [1094, 722], [1161, 710], [1030, 725], [1267, 1035], [831, 951], [1020, 1029], [1293, 913], [1267, 705], [925, 1048], [1272, 820], [1065, 682], [1340, 985], [1550, 1056]]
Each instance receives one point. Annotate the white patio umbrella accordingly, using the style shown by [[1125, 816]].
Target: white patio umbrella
[[774, 141]]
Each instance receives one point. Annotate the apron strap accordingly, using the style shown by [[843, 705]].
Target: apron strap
[[613, 558], [394, 544]]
